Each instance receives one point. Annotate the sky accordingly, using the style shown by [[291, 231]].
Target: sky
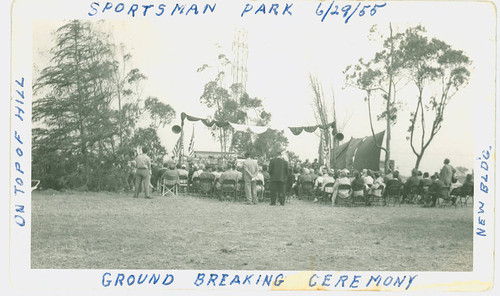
[[284, 51]]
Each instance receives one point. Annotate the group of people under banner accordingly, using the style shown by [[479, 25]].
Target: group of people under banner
[[280, 182]]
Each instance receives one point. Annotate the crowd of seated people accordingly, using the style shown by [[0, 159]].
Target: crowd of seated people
[[310, 180], [419, 188]]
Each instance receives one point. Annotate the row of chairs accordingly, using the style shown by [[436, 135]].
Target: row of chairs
[[391, 195], [206, 188]]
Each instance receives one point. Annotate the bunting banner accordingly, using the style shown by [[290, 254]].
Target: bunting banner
[[253, 128]]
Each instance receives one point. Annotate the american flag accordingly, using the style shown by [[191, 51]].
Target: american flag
[[191, 145], [178, 148]]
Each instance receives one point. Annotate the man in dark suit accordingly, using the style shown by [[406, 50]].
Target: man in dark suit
[[278, 171]]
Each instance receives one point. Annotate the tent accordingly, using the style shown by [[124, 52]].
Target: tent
[[359, 153]]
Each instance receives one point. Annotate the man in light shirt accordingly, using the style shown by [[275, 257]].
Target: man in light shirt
[[143, 173], [250, 171]]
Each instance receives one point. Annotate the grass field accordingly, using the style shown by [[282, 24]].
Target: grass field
[[116, 231]]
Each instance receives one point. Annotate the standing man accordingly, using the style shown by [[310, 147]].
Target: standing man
[[250, 171], [143, 174], [278, 171]]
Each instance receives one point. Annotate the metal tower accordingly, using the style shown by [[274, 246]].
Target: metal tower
[[240, 56]]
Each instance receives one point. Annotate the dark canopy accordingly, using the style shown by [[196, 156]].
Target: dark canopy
[[360, 153]]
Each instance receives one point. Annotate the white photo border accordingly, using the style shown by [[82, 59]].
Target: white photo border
[[23, 278]]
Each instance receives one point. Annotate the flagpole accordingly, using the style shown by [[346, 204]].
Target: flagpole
[[181, 153]]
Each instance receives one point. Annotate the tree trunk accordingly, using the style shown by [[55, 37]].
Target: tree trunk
[[419, 158], [388, 109]]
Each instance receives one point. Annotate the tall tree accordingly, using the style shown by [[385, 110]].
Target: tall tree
[[75, 96], [159, 112], [269, 144], [231, 104], [76, 91], [438, 72], [381, 75], [320, 111], [75, 117], [127, 81]]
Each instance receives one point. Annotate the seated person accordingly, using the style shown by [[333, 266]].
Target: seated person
[[318, 183], [358, 185], [425, 183], [455, 184], [396, 176], [198, 170], [378, 185], [367, 176], [342, 180], [327, 179], [306, 176], [314, 174], [229, 174], [388, 176], [171, 175], [293, 181], [181, 169], [411, 182], [434, 189], [207, 174], [467, 188], [217, 172]]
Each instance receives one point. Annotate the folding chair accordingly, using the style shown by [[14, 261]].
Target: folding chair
[[326, 194], [358, 194], [183, 184], [424, 196], [444, 197], [167, 187], [267, 190], [341, 199], [206, 187], [465, 195], [195, 184], [228, 187], [412, 194], [260, 189], [376, 195], [34, 184], [393, 192], [306, 189], [240, 189]]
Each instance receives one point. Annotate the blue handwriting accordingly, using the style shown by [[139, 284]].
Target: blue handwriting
[[120, 279], [348, 10], [483, 187], [19, 153], [151, 9], [353, 282], [274, 9]]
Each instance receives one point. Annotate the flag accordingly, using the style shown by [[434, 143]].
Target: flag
[[177, 151], [191, 145]]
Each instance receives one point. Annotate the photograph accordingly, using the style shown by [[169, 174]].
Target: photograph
[[261, 137]]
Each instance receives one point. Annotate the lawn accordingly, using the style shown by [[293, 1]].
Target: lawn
[[116, 231]]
